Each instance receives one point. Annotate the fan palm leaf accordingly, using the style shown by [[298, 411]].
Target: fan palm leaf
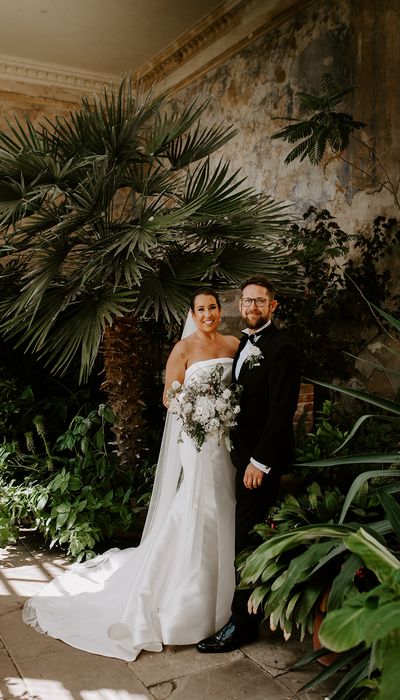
[[192, 147], [105, 205]]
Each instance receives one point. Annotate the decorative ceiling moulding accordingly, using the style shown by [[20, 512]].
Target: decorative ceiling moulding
[[30, 78], [234, 25]]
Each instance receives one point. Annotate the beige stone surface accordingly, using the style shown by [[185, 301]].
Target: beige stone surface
[[37, 667], [233, 680], [177, 661]]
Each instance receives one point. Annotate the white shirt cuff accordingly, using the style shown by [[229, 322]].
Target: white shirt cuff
[[263, 468]]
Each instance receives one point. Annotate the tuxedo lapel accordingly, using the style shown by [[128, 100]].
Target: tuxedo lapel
[[262, 343], [242, 343]]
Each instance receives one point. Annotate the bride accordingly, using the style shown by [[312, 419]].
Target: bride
[[176, 587]]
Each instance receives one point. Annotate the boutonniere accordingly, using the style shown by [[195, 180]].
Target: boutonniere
[[254, 357]]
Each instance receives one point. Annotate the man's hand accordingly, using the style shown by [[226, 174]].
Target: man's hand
[[252, 477]]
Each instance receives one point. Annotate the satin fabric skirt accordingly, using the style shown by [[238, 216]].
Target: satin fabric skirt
[[176, 587]]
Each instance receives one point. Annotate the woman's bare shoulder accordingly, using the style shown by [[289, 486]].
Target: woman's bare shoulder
[[233, 339], [181, 348], [231, 342]]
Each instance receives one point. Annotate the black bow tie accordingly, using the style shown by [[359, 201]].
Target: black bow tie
[[253, 337]]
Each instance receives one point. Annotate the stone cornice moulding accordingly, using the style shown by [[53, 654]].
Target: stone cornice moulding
[[15, 74], [225, 31]]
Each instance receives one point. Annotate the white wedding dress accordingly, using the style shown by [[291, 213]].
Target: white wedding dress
[[176, 587]]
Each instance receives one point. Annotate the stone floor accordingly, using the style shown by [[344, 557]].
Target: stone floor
[[36, 667]]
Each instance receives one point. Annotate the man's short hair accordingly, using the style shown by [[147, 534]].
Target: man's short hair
[[261, 281]]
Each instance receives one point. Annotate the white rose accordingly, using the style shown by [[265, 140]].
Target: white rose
[[226, 394], [236, 410], [221, 405], [188, 407], [213, 424], [176, 385], [204, 409]]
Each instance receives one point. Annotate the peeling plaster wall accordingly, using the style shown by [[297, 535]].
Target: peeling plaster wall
[[37, 103], [354, 40], [357, 42]]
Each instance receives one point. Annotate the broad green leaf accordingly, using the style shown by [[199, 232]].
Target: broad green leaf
[[257, 561], [392, 510], [376, 557], [359, 481], [349, 626], [344, 581], [390, 679]]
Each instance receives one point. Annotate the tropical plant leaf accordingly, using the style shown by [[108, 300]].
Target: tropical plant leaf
[[375, 555], [359, 422], [324, 127], [107, 198], [359, 481], [257, 561], [387, 404], [343, 583], [395, 322], [351, 625], [392, 510]]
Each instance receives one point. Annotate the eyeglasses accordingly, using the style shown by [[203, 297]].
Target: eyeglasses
[[259, 301]]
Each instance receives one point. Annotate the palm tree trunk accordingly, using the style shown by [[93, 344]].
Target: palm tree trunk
[[123, 364]]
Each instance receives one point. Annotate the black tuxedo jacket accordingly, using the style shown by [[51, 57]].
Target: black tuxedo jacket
[[268, 401]]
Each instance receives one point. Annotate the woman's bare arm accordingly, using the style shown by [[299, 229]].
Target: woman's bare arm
[[175, 368]]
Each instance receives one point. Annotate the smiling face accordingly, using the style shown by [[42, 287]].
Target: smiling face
[[256, 315], [206, 313]]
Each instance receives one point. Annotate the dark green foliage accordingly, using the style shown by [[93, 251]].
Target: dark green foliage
[[67, 484], [325, 438], [331, 319], [325, 127], [117, 209]]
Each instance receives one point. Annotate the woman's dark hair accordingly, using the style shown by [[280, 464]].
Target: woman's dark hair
[[204, 290]]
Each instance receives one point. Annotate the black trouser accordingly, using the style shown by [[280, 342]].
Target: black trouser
[[251, 508]]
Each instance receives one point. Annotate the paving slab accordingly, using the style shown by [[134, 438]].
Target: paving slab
[[240, 679], [38, 667], [23, 642], [11, 683], [275, 655], [174, 661], [71, 674]]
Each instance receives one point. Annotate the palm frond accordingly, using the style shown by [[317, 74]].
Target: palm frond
[[163, 293], [105, 202], [200, 144], [22, 136], [169, 126], [232, 264], [110, 125]]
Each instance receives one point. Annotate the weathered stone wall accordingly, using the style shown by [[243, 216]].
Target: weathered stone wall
[[354, 40], [36, 101], [357, 42]]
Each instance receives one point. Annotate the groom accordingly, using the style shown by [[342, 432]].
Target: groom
[[267, 365]]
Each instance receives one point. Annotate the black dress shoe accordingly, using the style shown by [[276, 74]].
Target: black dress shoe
[[228, 638]]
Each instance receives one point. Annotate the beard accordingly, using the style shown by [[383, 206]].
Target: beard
[[256, 323]]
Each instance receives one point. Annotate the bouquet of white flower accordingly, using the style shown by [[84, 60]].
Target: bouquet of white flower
[[205, 406]]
